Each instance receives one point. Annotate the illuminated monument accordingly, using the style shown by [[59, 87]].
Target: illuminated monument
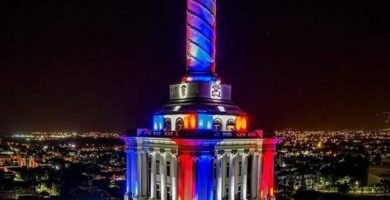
[[199, 146]]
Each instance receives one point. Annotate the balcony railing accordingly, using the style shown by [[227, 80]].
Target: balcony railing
[[198, 134]]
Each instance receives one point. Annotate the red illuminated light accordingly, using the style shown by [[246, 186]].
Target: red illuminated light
[[186, 183]]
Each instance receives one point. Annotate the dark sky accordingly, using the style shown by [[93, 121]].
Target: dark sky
[[106, 65]]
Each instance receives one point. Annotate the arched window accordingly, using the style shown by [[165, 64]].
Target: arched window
[[167, 124], [179, 124], [230, 125], [217, 124]]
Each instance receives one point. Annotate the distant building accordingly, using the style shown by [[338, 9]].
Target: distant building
[[376, 174], [26, 161]]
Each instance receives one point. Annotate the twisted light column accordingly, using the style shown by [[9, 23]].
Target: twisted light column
[[201, 36]]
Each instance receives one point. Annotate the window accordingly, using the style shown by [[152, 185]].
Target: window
[[167, 124], [179, 124], [217, 124], [230, 125]]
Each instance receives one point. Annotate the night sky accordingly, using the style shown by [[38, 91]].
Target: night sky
[[106, 65]]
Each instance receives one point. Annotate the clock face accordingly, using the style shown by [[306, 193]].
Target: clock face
[[215, 91]]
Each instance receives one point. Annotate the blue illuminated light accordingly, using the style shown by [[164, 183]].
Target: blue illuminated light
[[158, 122], [204, 183], [201, 22], [128, 172], [134, 173], [205, 121]]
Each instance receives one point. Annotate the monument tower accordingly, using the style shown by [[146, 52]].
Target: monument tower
[[199, 146]]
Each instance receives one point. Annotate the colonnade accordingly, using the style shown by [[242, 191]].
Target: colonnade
[[220, 175]]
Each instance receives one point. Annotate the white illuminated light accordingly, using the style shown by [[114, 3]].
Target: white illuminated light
[[221, 109], [176, 108]]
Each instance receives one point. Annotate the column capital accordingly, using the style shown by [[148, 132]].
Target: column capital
[[163, 153], [173, 154], [253, 150], [219, 156]]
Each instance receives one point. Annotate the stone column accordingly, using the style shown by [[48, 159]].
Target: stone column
[[260, 173], [219, 173], [144, 172], [244, 175], [255, 175], [163, 176], [174, 176], [140, 189], [224, 174], [232, 176], [128, 173], [153, 176]]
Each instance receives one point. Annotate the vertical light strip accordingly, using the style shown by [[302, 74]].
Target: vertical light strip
[[204, 174], [134, 174], [128, 171], [267, 186], [186, 185]]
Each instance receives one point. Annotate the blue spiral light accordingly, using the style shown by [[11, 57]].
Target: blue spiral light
[[201, 23]]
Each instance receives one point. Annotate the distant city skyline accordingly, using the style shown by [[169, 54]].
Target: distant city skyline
[[88, 65]]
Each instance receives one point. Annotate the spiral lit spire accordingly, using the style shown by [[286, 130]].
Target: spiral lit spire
[[201, 36]]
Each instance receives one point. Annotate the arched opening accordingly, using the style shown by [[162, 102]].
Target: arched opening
[[179, 124], [167, 124], [217, 124], [230, 125]]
